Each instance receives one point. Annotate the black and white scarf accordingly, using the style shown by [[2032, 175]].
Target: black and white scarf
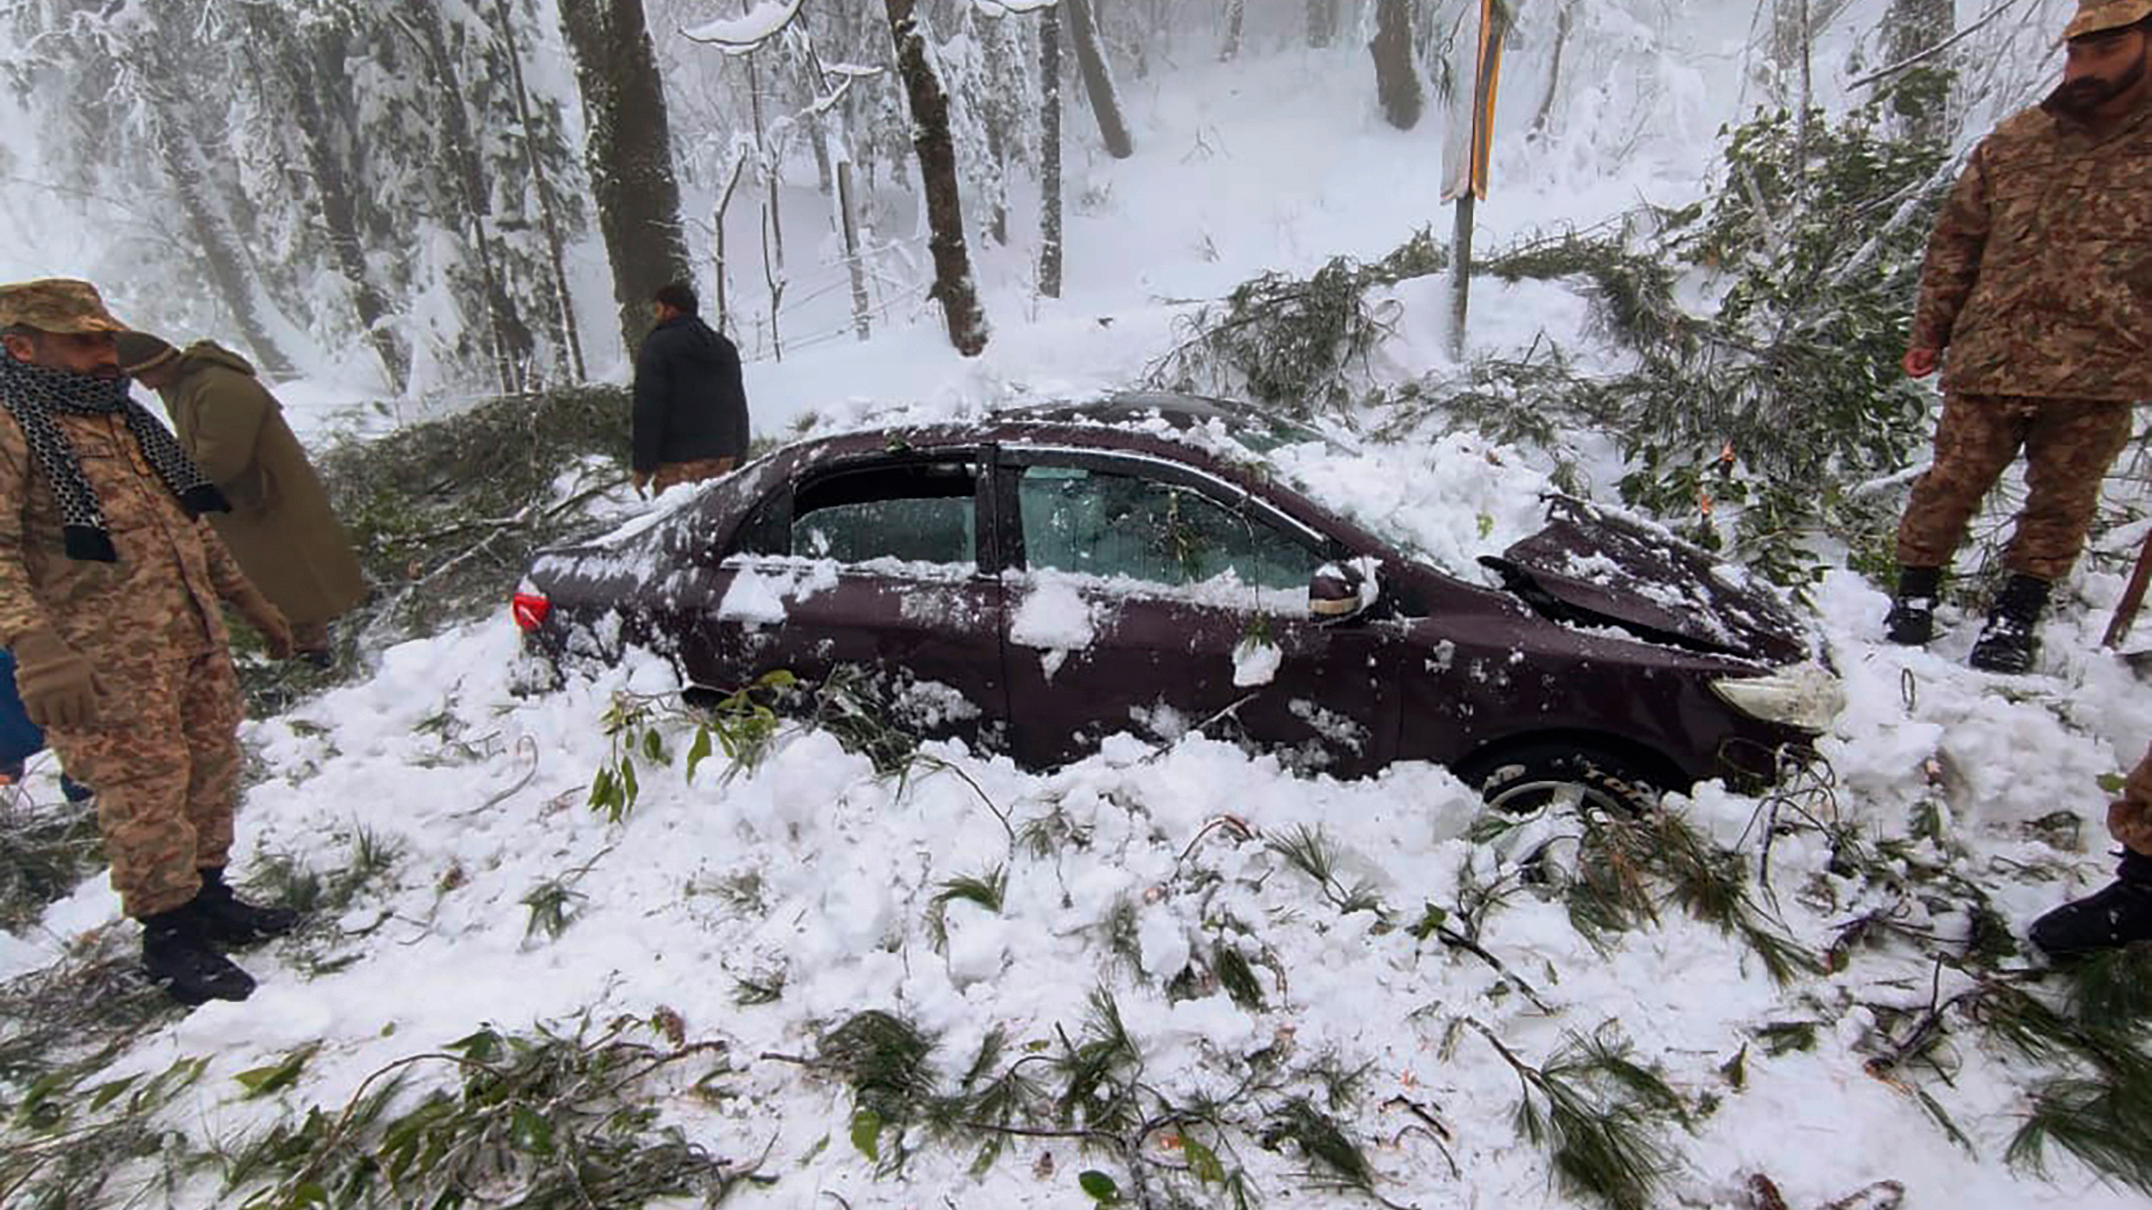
[[34, 394]]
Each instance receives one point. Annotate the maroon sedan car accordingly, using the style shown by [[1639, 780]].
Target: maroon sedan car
[[1042, 579]]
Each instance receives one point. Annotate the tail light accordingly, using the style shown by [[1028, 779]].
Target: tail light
[[529, 610]]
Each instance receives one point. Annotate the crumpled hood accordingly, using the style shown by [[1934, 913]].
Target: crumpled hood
[[1590, 567], [207, 352]]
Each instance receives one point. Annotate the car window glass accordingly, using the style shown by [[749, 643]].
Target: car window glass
[[918, 513], [1104, 524]]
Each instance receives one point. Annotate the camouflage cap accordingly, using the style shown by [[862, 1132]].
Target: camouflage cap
[[2095, 16], [56, 304]]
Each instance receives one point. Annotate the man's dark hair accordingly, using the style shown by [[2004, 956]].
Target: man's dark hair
[[678, 295]]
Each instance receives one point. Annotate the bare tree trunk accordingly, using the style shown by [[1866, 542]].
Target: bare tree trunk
[[1098, 80], [1563, 23], [825, 172], [773, 278], [767, 166], [630, 152], [953, 284], [1397, 77], [862, 306], [1050, 152], [1322, 22], [179, 150], [717, 222], [571, 340], [1236, 18]]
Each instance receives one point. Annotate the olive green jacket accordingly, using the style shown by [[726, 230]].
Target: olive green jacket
[[281, 528]]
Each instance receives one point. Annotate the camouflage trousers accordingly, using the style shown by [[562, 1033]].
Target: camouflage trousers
[[695, 470], [164, 759], [2068, 444], [2129, 818]]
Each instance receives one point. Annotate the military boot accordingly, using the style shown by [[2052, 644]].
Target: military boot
[[180, 959], [2006, 643], [2112, 918], [1911, 620], [230, 920]]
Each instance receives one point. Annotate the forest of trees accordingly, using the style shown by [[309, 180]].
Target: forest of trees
[[418, 177]]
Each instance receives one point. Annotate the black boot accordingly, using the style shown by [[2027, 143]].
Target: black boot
[[2107, 920], [179, 958], [230, 920], [2006, 643], [1911, 620]]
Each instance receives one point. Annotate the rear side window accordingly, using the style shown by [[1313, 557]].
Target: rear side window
[[1104, 524], [916, 513]]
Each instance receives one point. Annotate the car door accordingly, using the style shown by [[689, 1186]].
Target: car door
[[1150, 597], [880, 570]]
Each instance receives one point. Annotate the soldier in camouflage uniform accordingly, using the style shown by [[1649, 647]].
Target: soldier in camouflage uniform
[[110, 586], [2122, 913], [2038, 282]]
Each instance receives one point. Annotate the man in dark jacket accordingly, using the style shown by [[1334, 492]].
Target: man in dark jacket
[[690, 405], [2038, 283], [281, 526]]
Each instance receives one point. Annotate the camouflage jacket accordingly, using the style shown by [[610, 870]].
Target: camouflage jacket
[[2129, 818], [160, 598], [2038, 278]]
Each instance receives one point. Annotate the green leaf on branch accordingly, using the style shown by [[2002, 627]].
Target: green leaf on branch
[[1100, 1186]]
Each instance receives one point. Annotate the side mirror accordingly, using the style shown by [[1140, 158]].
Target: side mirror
[[1338, 592]]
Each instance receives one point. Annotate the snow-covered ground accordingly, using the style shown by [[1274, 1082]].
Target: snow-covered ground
[[813, 869]]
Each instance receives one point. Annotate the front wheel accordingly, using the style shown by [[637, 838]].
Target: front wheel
[[1530, 779], [1545, 798]]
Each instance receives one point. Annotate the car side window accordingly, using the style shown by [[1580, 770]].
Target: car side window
[[1106, 524], [915, 513]]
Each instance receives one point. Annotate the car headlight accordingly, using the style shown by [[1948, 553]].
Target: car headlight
[[1798, 695]]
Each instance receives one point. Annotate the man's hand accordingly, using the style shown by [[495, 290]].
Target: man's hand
[[267, 620], [641, 480], [57, 685], [1920, 362]]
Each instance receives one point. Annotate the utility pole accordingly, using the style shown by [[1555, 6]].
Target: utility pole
[[1465, 157]]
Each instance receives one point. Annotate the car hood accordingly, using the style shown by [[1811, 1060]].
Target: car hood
[[1590, 567]]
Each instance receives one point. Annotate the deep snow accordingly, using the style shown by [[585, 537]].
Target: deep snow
[[814, 867]]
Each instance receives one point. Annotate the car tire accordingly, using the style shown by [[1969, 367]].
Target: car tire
[[1541, 790], [1527, 779]]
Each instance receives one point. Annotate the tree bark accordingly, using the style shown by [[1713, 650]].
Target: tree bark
[[1322, 22], [630, 154], [953, 283], [1397, 77], [1236, 19], [1050, 152], [1563, 24], [855, 262], [1098, 80], [564, 303]]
